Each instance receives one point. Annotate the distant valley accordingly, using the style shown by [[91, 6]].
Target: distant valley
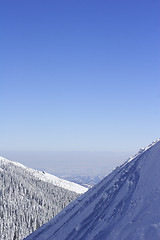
[[86, 181]]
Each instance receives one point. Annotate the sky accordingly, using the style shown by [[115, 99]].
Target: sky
[[79, 75]]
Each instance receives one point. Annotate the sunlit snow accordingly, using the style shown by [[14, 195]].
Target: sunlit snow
[[123, 206]]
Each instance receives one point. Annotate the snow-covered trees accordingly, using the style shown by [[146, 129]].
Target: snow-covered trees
[[27, 202]]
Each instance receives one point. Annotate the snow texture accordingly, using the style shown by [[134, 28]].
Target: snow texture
[[123, 206], [29, 198], [47, 177]]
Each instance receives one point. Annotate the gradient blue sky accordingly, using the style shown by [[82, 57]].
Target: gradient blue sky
[[79, 75]]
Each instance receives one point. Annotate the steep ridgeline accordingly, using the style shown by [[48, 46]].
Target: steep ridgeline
[[123, 206], [29, 198]]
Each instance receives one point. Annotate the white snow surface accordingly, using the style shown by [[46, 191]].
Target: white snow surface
[[74, 187], [123, 206]]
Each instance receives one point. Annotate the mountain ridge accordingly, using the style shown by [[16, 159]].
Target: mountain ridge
[[47, 177], [122, 206], [29, 198]]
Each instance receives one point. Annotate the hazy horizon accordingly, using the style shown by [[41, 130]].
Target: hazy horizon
[[69, 162], [79, 79]]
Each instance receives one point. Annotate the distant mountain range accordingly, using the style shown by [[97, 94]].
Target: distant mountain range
[[123, 206], [85, 181], [30, 198]]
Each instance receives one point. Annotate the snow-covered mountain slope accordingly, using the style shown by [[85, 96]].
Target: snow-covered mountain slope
[[123, 206], [46, 177], [29, 198]]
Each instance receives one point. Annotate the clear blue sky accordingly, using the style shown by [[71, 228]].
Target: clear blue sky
[[79, 75]]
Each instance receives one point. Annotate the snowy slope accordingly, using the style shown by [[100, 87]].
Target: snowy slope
[[29, 198], [49, 178], [123, 206]]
